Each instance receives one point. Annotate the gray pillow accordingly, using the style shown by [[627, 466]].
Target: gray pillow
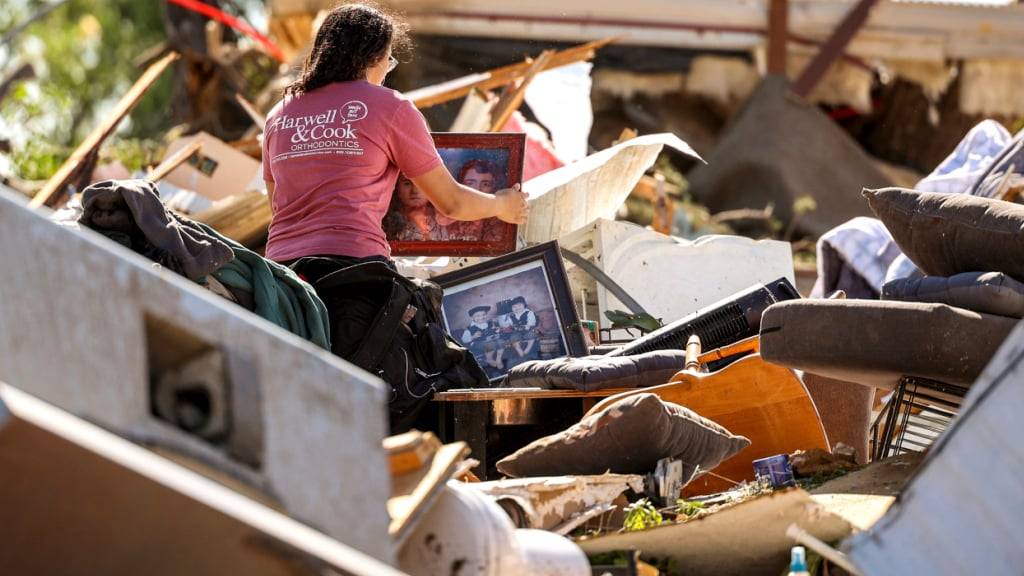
[[988, 292], [598, 372], [947, 234], [628, 437]]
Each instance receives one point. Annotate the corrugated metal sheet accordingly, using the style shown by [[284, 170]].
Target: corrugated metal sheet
[[962, 513]]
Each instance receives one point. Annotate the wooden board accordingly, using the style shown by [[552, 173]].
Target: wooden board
[[413, 493], [490, 394], [491, 79], [95, 138], [173, 161], [245, 218], [766, 403]]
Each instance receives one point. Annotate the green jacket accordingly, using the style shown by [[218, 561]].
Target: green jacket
[[279, 294]]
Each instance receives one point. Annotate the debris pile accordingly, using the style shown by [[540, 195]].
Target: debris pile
[[680, 363]]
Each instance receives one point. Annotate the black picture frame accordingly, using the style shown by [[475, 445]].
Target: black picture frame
[[471, 288]]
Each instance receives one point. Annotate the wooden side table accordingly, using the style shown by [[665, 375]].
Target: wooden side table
[[472, 412]]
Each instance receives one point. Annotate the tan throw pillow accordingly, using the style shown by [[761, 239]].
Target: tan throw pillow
[[946, 234], [628, 437]]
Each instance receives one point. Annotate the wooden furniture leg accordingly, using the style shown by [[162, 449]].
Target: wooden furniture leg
[[470, 426]]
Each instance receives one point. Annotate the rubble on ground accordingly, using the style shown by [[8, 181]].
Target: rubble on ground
[[743, 337]]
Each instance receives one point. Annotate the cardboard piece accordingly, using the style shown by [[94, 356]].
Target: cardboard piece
[[217, 171]]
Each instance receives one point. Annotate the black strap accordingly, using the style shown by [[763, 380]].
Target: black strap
[[371, 276], [387, 323]]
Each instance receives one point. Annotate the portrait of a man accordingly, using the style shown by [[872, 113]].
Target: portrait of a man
[[484, 162]]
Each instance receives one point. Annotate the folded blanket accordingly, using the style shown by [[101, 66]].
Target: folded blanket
[[598, 372]]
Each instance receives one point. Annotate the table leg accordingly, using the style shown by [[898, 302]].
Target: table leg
[[470, 426], [444, 427]]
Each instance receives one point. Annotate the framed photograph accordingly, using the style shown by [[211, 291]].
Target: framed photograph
[[486, 162], [512, 309]]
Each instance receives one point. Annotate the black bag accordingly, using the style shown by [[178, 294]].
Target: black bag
[[390, 326]]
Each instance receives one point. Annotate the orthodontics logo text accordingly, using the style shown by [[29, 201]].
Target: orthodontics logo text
[[331, 132]]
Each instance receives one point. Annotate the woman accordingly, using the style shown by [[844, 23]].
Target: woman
[[334, 147], [332, 152]]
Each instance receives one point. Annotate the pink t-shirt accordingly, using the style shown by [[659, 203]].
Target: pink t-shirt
[[334, 155]]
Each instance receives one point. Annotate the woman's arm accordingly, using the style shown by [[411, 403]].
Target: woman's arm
[[463, 203]]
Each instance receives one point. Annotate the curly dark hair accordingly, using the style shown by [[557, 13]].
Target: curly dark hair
[[352, 38]]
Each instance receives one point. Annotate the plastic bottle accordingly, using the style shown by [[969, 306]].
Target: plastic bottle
[[798, 562]]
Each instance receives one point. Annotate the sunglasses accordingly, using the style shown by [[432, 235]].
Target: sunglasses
[[392, 63]]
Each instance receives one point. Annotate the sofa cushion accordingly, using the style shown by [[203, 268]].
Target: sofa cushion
[[598, 372], [875, 342], [988, 292], [947, 234], [628, 437]]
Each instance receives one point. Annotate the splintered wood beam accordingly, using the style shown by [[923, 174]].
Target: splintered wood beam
[[833, 48], [778, 36], [259, 119], [512, 99], [95, 139], [453, 89], [177, 159]]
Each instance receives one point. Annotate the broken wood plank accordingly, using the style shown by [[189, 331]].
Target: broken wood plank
[[410, 451], [833, 48], [95, 139], [658, 193], [752, 344], [259, 119], [413, 493], [489, 394], [459, 87], [512, 99], [250, 146], [245, 218], [177, 159], [778, 36]]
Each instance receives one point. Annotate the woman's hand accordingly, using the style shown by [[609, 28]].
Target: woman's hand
[[512, 205], [460, 202]]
